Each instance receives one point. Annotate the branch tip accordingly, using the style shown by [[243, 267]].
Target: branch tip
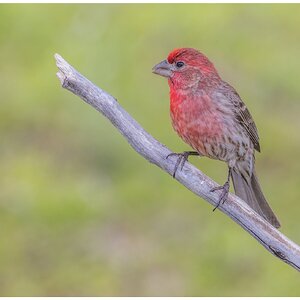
[[61, 77]]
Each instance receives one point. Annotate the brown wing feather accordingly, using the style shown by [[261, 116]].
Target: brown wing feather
[[243, 115]]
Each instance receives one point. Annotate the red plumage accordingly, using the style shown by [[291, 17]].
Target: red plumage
[[208, 114]]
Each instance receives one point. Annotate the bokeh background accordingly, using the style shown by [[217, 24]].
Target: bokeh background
[[80, 212]]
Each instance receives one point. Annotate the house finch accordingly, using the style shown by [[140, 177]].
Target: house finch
[[209, 115]]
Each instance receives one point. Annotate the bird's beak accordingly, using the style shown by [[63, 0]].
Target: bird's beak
[[163, 69]]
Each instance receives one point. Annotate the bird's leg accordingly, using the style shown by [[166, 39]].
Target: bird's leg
[[182, 158], [225, 190]]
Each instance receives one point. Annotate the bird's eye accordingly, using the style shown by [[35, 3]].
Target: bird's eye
[[179, 64]]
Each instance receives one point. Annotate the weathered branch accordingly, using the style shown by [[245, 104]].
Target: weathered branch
[[143, 143]]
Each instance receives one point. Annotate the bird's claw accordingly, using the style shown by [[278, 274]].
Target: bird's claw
[[182, 158], [224, 193]]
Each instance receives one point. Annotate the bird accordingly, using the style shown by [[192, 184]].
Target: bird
[[210, 116]]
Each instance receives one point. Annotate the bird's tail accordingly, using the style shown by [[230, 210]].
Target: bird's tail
[[252, 194]]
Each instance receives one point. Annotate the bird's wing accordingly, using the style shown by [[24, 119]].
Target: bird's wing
[[243, 116]]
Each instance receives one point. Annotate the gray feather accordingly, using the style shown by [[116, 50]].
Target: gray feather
[[251, 193]]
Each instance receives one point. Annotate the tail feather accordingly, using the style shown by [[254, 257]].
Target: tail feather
[[252, 194]]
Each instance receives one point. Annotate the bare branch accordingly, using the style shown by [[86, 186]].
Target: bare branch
[[156, 153]]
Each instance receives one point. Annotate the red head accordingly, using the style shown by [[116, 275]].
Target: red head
[[186, 67]]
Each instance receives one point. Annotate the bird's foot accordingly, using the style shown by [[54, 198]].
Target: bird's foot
[[224, 193], [182, 158]]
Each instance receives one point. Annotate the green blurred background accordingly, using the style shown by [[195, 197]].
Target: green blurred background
[[81, 213]]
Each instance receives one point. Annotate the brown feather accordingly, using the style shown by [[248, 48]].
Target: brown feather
[[242, 115]]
